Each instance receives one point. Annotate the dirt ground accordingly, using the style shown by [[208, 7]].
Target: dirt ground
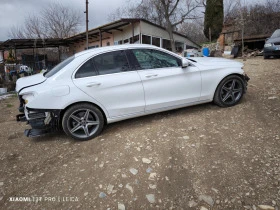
[[200, 157]]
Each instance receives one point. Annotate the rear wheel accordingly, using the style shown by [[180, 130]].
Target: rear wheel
[[83, 121], [229, 91]]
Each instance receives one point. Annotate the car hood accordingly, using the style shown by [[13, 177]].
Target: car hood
[[29, 81], [273, 40], [216, 62]]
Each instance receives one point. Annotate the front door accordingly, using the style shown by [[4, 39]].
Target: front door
[[166, 83]]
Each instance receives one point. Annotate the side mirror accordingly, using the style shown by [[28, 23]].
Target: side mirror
[[185, 63]]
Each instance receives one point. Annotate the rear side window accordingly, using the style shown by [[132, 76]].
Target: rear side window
[[152, 59], [86, 70], [60, 66], [110, 63]]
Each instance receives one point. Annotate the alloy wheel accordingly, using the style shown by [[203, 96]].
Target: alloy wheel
[[83, 123], [231, 91]]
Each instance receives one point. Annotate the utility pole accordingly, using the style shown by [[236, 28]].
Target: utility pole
[[86, 24], [242, 22]]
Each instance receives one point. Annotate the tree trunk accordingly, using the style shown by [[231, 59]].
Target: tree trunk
[[169, 29]]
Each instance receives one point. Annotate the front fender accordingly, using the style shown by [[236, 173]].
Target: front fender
[[212, 78]]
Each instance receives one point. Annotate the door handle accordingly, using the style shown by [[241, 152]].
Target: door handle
[[92, 84], [151, 75]]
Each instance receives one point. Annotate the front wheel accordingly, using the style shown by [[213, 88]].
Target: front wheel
[[83, 121], [229, 91]]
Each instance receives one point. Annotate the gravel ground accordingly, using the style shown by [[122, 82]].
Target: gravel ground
[[200, 157]]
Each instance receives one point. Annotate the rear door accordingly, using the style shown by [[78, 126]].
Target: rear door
[[109, 79], [166, 83]]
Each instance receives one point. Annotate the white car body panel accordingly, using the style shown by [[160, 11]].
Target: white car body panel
[[121, 93], [128, 94], [170, 87], [213, 70], [47, 99]]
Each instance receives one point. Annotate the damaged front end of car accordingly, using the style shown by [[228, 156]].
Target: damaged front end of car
[[42, 121]]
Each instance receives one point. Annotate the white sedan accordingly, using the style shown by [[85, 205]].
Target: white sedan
[[104, 85]]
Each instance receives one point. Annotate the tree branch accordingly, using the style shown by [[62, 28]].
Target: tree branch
[[175, 6]]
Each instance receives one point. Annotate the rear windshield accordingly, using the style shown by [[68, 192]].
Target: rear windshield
[[59, 66], [276, 34]]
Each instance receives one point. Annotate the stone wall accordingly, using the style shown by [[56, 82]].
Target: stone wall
[[211, 46]]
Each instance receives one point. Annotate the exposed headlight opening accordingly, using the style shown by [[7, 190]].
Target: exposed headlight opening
[[28, 96], [268, 45]]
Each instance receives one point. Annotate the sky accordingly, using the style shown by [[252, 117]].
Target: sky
[[13, 12]]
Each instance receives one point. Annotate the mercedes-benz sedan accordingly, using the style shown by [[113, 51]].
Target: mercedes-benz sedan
[[109, 84]]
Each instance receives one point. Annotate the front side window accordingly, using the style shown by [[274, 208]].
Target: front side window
[[152, 59], [86, 70], [110, 63]]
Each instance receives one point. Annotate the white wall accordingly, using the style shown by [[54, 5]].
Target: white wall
[[152, 30], [127, 32]]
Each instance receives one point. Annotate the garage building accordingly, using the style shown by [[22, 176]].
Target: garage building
[[129, 31]]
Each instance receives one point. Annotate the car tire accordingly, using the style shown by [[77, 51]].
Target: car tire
[[230, 91], [265, 57], [83, 121]]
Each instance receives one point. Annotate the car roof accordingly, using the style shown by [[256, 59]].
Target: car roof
[[115, 47]]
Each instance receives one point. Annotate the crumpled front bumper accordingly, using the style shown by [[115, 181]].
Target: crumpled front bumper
[[42, 121]]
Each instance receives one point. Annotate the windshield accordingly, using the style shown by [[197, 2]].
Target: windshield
[[59, 66], [276, 34]]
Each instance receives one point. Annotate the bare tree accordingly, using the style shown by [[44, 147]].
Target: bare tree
[[145, 9], [176, 13], [34, 27], [60, 21], [230, 7], [257, 18], [167, 13], [194, 30], [16, 32], [55, 21]]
